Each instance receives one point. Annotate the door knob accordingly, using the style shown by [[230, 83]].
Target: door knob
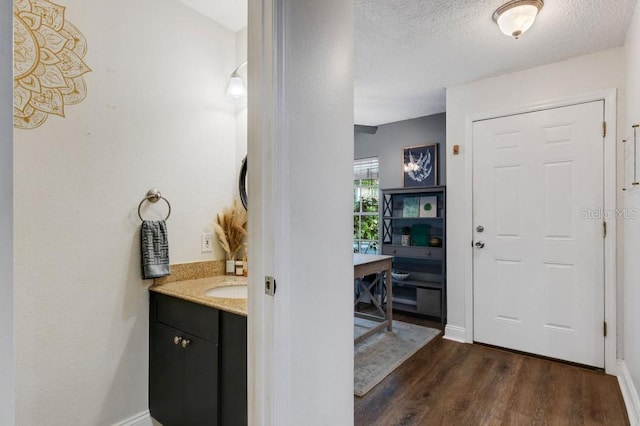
[[479, 244], [185, 343], [177, 340]]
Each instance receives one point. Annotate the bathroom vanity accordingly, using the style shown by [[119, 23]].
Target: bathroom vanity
[[197, 354]]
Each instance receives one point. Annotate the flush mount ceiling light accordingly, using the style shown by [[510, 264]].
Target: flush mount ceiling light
[[236, 88], [517, 16]]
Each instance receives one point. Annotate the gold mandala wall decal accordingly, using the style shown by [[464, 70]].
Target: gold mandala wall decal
[[47, 62]]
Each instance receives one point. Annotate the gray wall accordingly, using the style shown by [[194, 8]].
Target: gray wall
[[389, 140], [6, 214]]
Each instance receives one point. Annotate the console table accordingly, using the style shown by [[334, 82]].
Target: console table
[[368, 264]]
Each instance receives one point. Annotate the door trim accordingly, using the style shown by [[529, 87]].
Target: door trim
[[610, 192], [265, 50]]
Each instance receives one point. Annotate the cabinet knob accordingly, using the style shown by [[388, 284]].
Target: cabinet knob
[[177, 340], [185, 343]]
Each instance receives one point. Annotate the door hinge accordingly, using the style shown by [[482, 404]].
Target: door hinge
[[270, 286], [604, 329], [604, 229], [604, 129]]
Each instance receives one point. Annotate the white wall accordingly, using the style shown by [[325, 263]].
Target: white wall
[[301, 151], [577, 76], [6, 217], [241, 104], [632, 201], [316, 162], [155, 116]]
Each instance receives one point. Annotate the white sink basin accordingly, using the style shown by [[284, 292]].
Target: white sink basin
[[229, 292]]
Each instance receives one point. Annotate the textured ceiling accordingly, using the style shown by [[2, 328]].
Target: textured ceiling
[[408, 51]]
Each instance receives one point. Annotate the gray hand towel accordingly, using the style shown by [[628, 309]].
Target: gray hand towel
[[154, 248]]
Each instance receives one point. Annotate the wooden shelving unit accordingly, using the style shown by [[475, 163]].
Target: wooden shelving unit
[[424, 291]]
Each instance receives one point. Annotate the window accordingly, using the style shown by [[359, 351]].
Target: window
[[365, 206]]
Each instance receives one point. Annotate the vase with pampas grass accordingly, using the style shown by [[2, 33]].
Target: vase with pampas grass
[[231, 228]]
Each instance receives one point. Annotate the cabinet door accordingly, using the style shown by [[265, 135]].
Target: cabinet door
[[200, 383], [165, 374], [233, 369]]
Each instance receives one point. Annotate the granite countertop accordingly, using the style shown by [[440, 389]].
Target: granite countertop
[[194, 291]]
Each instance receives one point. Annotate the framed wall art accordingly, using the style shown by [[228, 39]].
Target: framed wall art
[[420, 165]]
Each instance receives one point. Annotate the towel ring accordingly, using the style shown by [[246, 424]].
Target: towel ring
[[154, 196]]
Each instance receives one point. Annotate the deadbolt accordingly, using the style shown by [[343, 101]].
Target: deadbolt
[[480, 228]]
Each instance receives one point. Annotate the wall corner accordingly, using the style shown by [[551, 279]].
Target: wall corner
[[629, 393]]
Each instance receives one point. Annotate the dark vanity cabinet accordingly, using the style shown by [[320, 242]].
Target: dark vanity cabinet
[[197, 364]]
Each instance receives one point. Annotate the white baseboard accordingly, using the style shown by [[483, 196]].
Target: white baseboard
[[455, 333], [140, 419], [629, 393]]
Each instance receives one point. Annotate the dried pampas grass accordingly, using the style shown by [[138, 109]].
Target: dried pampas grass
[[231, 228]]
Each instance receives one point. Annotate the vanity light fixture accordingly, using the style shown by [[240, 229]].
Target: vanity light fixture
[[517, 16], [237, 88]]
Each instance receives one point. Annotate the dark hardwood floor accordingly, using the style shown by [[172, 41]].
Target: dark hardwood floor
[[449, 383]]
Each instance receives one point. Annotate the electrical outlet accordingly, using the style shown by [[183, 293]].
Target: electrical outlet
[[207, 242]]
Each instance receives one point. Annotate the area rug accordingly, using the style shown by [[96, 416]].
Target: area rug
[[377, 356]]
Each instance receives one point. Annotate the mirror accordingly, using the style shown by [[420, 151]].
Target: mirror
[[243, 183]]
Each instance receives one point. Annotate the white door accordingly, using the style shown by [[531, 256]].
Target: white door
[[538, 281]]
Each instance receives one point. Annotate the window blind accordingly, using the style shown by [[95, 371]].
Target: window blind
[[366, 168]]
